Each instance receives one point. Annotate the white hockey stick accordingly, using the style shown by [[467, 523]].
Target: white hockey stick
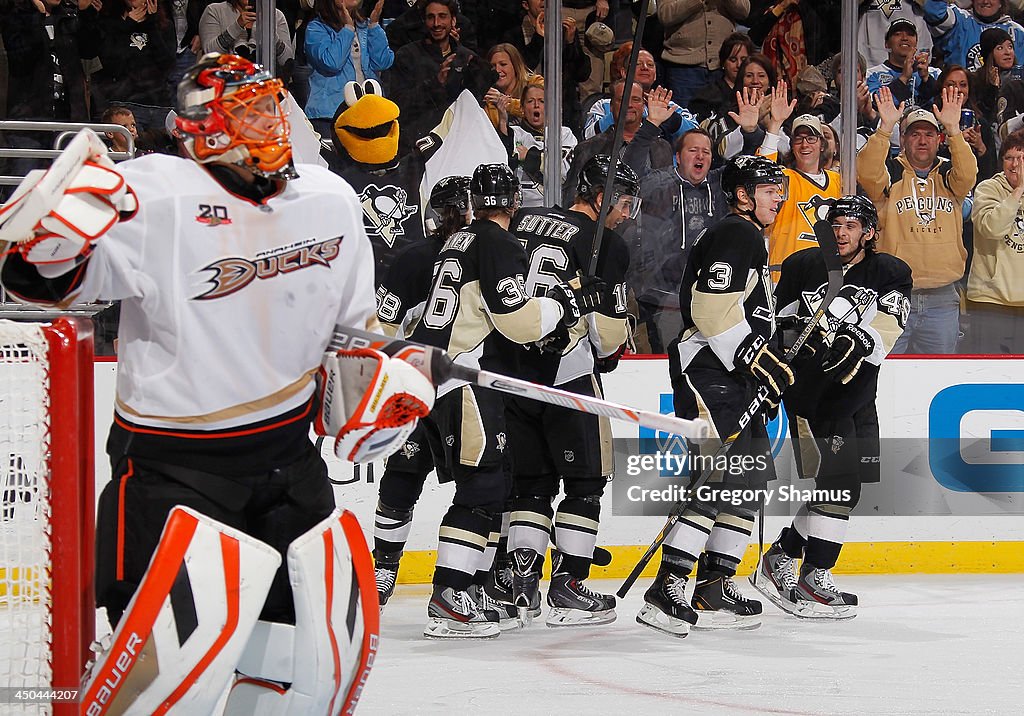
[[40, 192], [435, 364]]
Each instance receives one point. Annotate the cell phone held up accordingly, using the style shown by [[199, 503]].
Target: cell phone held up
[[967, 119]]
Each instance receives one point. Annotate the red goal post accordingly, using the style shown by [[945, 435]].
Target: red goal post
[[47, 607]]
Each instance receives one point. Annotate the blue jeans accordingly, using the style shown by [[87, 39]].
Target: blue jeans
[[685, 81], [934, 322]]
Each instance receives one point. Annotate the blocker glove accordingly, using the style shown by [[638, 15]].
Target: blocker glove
[[578, 297], [844, 357], [765, 362]]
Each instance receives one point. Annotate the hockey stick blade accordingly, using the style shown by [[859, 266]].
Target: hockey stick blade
[[438, 367], [833, 263], [34, 199]]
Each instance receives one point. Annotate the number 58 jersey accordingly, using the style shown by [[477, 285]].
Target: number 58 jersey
[[478, 309]]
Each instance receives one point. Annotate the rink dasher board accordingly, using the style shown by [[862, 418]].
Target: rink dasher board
[[907, 390]]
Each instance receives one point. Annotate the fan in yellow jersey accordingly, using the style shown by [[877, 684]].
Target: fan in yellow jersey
[[810, 184]]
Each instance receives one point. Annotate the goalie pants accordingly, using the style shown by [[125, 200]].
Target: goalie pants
[[552, 445], [720, 518], [275, 507], [473, 452], [839, 453]]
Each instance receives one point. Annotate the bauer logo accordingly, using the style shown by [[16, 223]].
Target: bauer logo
[[976, 437]]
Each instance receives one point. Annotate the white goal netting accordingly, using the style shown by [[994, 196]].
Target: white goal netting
[[25, 514]]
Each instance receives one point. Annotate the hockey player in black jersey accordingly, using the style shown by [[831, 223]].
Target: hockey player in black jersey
[[400, 301], [831, 405], [554, 444], [723, 352], [478, 311]]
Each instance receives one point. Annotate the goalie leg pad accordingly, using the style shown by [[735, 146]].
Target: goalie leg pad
[[327, 656], [177, 644]]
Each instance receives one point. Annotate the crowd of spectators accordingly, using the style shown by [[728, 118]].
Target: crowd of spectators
[[940, 120]]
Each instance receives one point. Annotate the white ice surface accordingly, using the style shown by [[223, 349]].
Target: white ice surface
[[920, 645]]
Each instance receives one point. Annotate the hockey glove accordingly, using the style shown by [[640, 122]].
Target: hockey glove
[[790, 328], [764, 362], [370, 403], [555, 342], [577, 297], [843, 359]]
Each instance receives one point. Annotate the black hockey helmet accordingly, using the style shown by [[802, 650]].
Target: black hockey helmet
[[494, 186], [595, 172], [448, 193], [857, 207], [749, 171]]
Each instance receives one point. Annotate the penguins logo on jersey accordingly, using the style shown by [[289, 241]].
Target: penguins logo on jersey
[[232, 274], [409, 449], [385, 211], [888, 7], [809, 211], [848, 307]]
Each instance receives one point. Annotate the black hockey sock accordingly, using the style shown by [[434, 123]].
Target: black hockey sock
[[391, 529], [487, 559], [461, 542], [792, 542], [576, 533]]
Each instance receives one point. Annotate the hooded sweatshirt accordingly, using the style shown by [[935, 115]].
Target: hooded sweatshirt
[[920, 219], [997, 271]]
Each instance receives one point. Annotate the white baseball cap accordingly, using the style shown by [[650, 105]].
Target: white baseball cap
[[919, 115]]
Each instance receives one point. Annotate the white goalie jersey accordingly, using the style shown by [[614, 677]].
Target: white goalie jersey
[[240, 299]]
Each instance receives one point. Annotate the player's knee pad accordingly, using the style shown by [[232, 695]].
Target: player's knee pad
[[187, 625], [326, 657], [486, 490], [535, 486], [840, 491], [585, 487], [401, 490]]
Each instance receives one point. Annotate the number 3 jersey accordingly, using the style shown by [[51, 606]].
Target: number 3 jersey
[[478, 309], [875, 296], [725, 296], [559, 244]]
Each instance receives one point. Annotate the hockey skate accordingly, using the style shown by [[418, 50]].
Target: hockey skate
[[385, 570], [817, 597], [775, 578], [666, 608], [572, 603], [526, 584], [508, 615], [720, 605], [454, 615]]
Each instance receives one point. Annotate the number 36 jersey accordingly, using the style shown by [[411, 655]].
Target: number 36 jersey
[[559, 244], [478, 307]]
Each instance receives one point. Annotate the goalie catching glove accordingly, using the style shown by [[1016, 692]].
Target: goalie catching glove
[[370, 403], [851, 346], [96, 199], [577, 297], [766, 364]]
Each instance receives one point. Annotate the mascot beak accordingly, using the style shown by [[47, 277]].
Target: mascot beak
[[368, 130]]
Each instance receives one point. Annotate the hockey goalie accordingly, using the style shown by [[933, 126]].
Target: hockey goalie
[[222, 561]]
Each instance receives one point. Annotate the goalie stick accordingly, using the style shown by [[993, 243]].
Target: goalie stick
[[36, 196], [435, 364], [827, 242]]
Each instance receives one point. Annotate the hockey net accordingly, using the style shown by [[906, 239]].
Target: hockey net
[[47, 612]]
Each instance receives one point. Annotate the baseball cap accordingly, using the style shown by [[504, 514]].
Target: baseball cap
[[919, 115], [810, 122], [599, 37], [901, 23]]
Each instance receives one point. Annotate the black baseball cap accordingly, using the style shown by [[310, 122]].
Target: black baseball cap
[[901, 23]]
